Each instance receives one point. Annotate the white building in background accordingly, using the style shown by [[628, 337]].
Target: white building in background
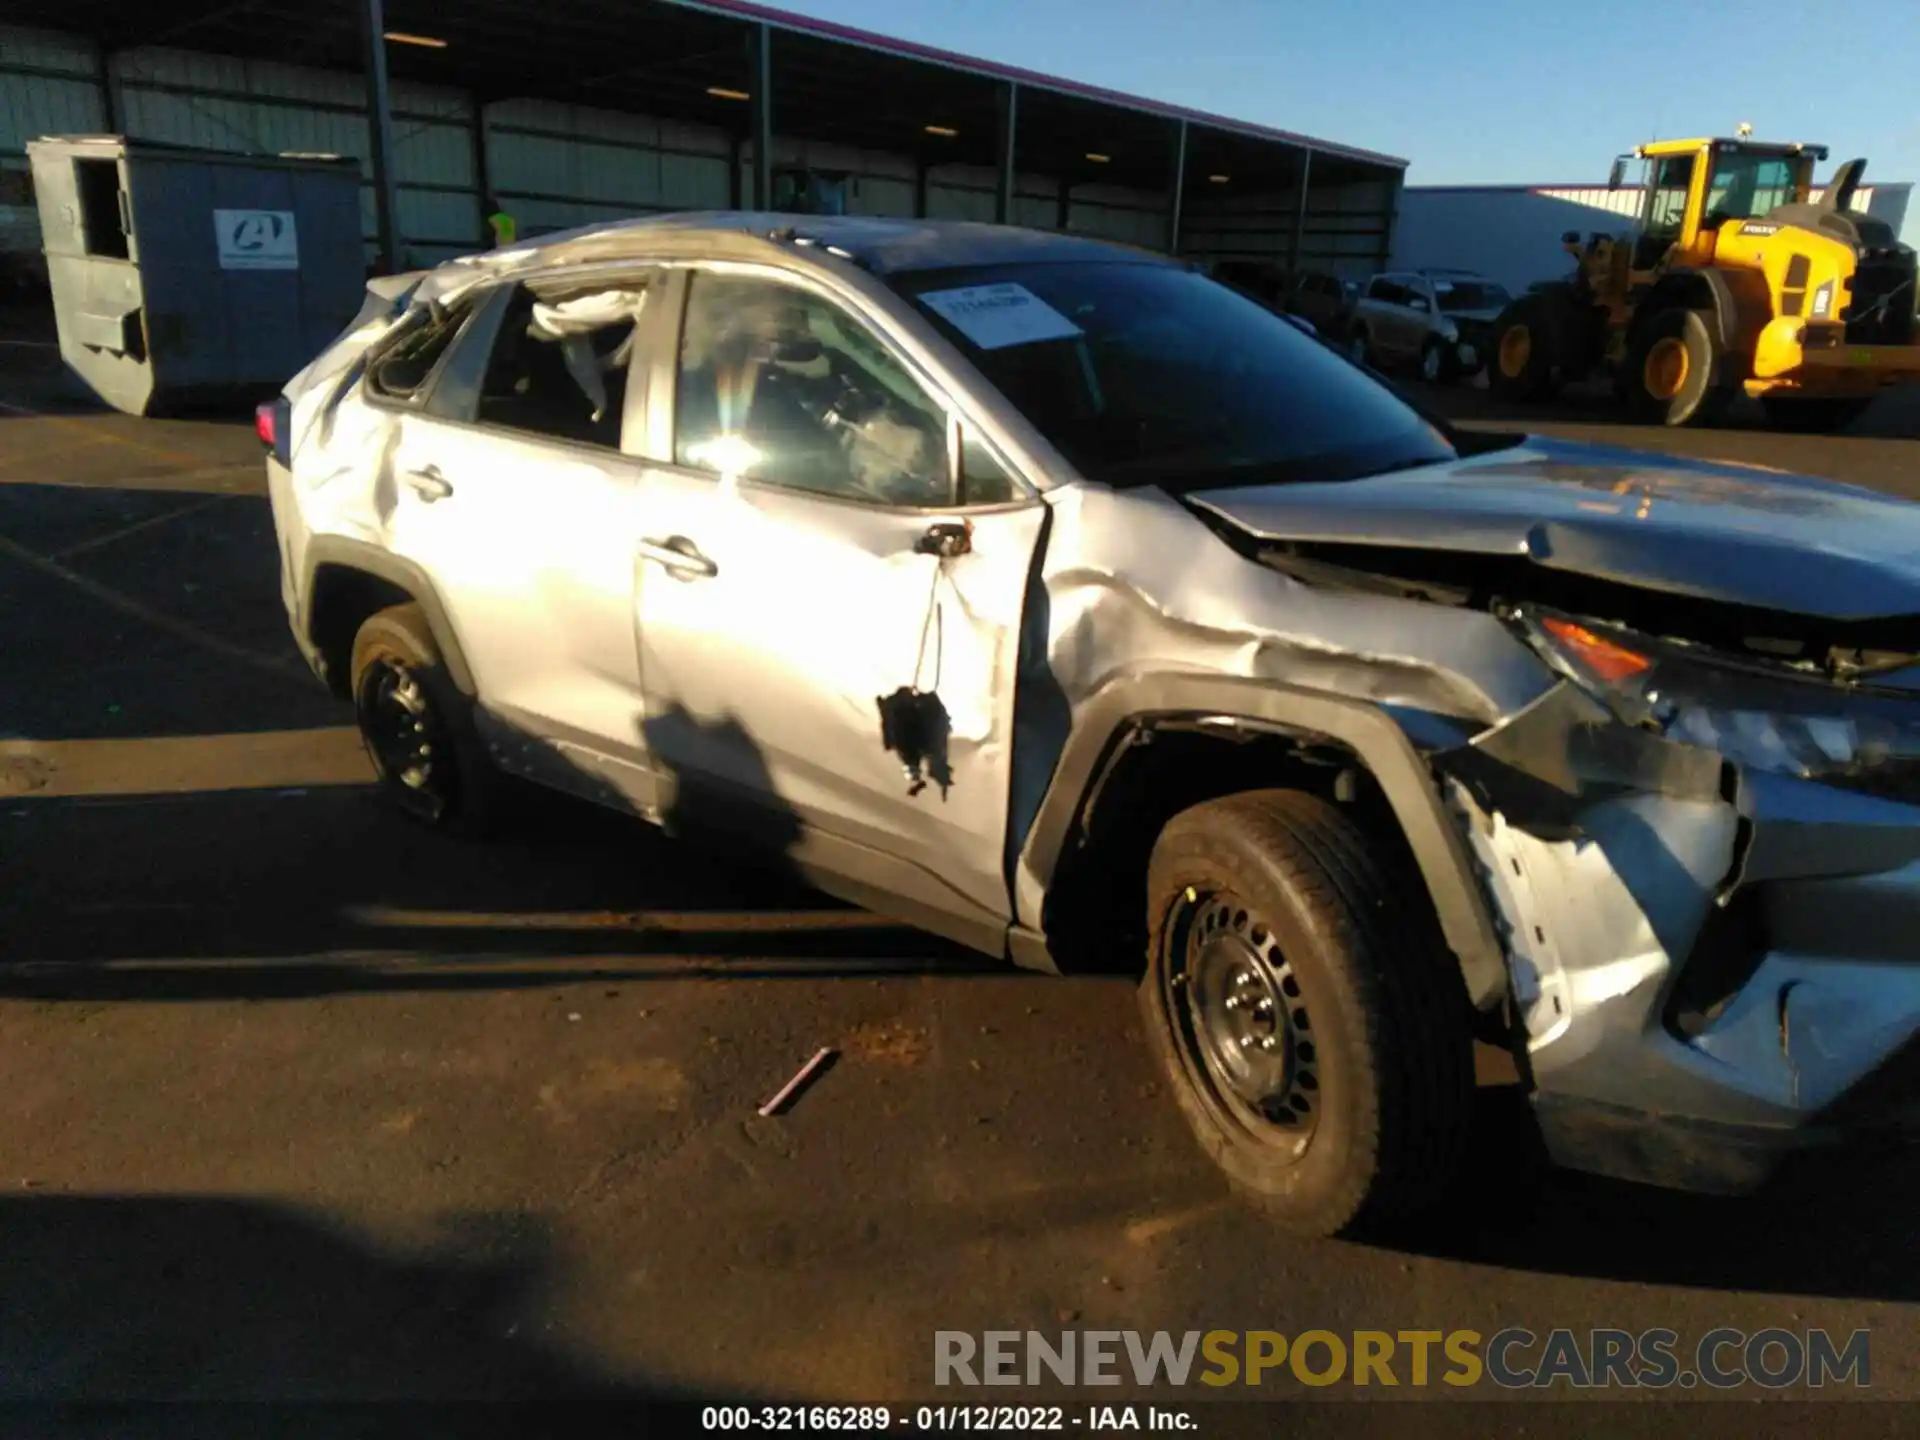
[[1511, 233]]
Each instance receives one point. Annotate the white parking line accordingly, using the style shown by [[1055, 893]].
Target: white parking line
[[135, 528], [159, 619]]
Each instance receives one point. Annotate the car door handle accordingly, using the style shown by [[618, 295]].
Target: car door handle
[[679, 556], [428, 483]]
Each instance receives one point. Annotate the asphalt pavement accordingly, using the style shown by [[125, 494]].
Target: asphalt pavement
[[305, 1104]]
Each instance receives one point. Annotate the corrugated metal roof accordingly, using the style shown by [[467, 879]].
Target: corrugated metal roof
[[911, 50]]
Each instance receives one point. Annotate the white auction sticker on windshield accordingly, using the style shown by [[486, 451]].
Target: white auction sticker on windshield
[[997, 316]]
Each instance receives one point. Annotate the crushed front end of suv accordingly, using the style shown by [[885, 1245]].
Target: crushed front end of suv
[[1059, 600]]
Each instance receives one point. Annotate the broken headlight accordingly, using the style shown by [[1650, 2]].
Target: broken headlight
[[1809, 728]]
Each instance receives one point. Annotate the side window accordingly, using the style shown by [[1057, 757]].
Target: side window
[[1667, 207], [781, 386], [1383, 289], [559, 365], [401, 369], [1666, 210]]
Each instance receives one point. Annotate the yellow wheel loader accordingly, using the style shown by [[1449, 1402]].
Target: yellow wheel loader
[[1732, 281]]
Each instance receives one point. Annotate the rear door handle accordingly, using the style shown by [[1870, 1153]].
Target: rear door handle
[[679, 556], [428, 483]]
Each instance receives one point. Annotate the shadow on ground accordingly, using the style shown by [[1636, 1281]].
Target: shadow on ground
[[285, 894], [1832, 1225], [237, 1316], [1894, 415]]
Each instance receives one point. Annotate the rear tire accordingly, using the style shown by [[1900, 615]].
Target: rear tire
[[1354, 1084], [1676, 373], [1524, 352], [1821, 415], [1357, 346], [418, 728]]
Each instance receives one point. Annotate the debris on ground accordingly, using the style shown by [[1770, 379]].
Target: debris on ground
[[792, 1088]]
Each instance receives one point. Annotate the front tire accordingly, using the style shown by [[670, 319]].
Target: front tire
[[1821, 415], [1315, 1032], [418, 728], [1675, 372], [1357, 347]]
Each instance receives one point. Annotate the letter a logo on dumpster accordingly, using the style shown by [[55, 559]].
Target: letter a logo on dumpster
[[256, 240]]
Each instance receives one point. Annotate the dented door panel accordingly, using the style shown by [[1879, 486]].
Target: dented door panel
[[765, 674]]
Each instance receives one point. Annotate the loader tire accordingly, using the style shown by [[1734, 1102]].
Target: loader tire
[[1525, 354], [1676, 372]]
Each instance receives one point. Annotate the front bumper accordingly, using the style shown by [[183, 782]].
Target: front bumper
[[1835, 368], [1711, 968]]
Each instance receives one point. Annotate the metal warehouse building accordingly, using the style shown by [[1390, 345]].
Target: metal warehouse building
[[1511, 233], [570, 111]]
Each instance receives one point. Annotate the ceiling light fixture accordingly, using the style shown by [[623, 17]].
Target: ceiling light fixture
[[1098, 159], [720, 92], [427, 42], [1219, 179], [943, 130]]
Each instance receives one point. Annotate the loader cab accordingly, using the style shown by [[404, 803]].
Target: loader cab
[[1693, 187]]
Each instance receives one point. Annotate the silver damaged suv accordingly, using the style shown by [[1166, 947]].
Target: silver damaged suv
[[1050, 596]]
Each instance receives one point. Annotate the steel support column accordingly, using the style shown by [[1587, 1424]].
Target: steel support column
[[1393, 219], [1300, 212], [1179, 190], [761, 45], [380, 135], [482, 169], [109, 90], [1063, 205], [920, 171], [1009, 127]]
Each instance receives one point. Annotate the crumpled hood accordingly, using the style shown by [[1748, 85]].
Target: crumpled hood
[[1740, 534]]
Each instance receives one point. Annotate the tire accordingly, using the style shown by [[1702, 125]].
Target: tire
[[1357, 346], [1821, 415], [1524, 356], [1378, 1080], [1675, 372], [1435, 366], [450, 785]]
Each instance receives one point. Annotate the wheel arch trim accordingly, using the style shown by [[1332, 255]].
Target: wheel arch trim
[[1105, 719], [341, 552]]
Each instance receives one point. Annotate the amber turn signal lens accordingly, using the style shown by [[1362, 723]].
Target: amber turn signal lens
[[1612, 663]]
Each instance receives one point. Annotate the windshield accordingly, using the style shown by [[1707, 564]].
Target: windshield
[[1745, 186], [1153, 374], [1469, 294]]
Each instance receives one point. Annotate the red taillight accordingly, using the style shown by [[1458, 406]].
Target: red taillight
[[263, 423]]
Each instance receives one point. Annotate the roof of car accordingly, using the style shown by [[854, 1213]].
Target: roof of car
[[884, 246]]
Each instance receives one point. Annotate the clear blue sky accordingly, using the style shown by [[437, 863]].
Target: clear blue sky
[[1493, 91]]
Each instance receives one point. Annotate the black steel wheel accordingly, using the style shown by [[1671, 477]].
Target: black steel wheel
[[1316, 1033], [418, 727], [1240, 1005]]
